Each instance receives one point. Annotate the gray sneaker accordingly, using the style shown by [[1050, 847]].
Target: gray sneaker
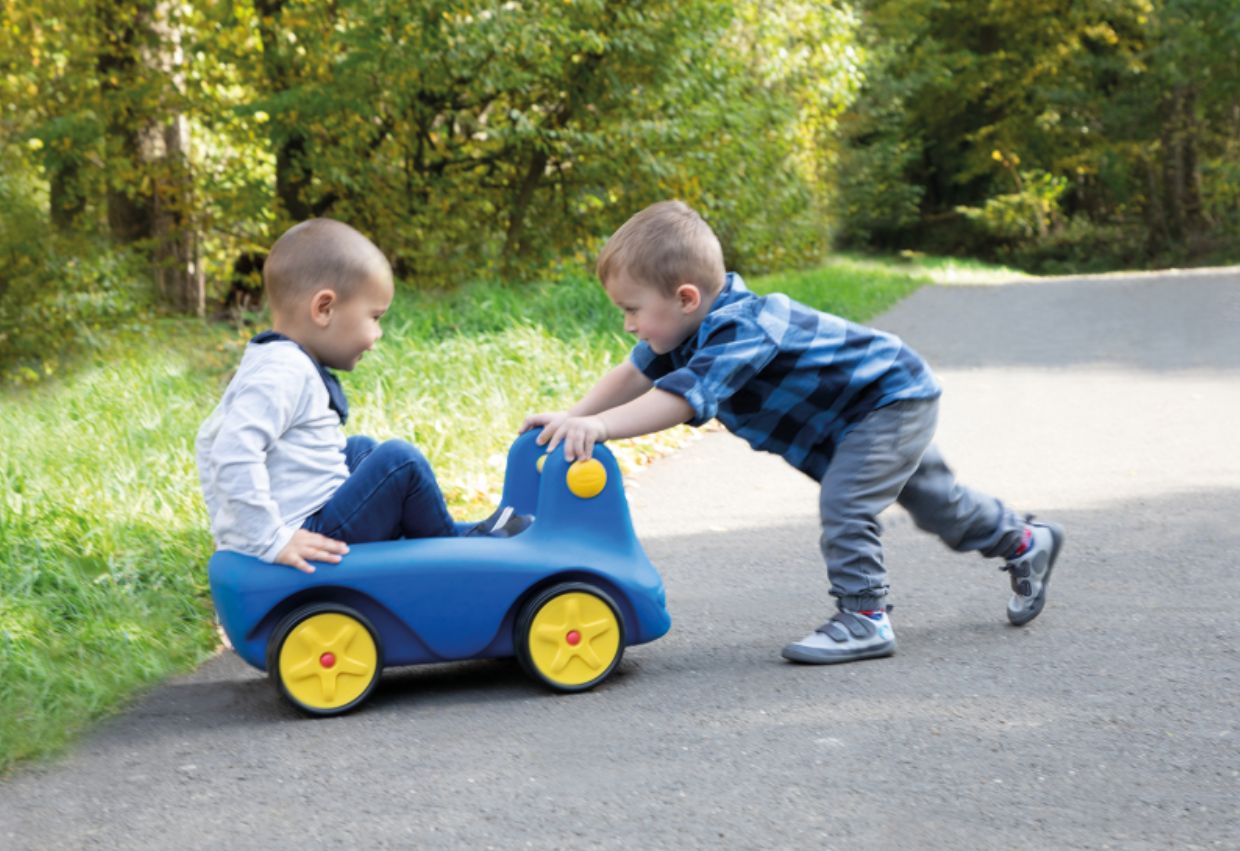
[[1031, 571], [848, 636], [503, 523]]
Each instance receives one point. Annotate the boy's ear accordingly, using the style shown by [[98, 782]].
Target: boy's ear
[[321, 304], [689, 297]]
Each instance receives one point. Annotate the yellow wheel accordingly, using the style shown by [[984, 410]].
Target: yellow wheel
[[570, 636], [324, 658]]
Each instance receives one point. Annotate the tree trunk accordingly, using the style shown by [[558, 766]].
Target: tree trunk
[[1180, 179], [66, 201], [179, 275], [1190, 174], [525, 194], [178, 269], [293, 174], [1157, 234], [149, 193], [128, 194]]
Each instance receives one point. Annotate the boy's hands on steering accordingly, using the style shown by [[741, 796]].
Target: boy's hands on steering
[[307, 546], [578, 434], [550, 421]]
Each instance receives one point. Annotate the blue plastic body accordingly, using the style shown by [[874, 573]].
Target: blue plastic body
[[442, 599]]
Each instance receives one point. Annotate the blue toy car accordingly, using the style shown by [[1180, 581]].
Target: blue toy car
[[566, 596]]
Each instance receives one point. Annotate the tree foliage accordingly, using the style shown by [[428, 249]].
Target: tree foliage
[[1043, 130], [469, 138], [492, 138]]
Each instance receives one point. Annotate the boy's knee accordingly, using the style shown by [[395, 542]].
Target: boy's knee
[[399, 453]]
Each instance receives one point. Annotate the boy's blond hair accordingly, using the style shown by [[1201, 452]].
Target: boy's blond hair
[[317, 254], [665, 245]]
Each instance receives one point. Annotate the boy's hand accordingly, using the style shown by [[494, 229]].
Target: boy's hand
[[579, 434], [550, 421], [310, 545]]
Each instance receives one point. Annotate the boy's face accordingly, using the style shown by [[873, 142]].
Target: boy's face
[[352, 326], [663, 321]]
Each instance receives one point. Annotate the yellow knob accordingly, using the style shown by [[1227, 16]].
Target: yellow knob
[[587, 479], [542, 459]]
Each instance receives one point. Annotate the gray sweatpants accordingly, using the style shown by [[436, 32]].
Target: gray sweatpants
[[888, 457]]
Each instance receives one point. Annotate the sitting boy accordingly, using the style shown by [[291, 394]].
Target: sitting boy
[[280, 480], [850, 406]]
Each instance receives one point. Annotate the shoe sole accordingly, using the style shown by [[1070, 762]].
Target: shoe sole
[[810, 656], [1057, 539]]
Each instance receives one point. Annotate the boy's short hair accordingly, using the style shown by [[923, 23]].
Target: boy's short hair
[[665, 245], [317, 254]]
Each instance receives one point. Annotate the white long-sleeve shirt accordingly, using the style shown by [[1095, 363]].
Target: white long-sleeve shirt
[[272, 452]]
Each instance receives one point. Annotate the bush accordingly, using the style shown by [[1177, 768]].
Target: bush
[[57, 293], [1079, 246], [1028, 214]]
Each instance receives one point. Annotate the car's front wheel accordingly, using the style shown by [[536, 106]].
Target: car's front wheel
[[570, 636], [324, 658]]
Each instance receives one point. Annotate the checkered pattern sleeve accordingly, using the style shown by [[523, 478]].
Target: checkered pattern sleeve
[[729, 356], [648, 363]]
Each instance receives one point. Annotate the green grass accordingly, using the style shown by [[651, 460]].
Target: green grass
[[103, 536]]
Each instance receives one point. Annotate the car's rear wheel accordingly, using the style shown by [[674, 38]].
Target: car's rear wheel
[[570, 636], [324, 658]]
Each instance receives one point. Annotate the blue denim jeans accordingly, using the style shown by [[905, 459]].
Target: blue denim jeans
[[391, 493]]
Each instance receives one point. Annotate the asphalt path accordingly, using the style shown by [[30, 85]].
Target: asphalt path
[[1113, 721]]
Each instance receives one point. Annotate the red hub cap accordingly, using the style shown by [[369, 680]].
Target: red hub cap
[[327, 660], [573, 638]]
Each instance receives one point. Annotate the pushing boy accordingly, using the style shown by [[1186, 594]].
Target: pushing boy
[[850, 406]]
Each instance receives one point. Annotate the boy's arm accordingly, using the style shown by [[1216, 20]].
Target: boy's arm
[[622, 384], [650, 412]]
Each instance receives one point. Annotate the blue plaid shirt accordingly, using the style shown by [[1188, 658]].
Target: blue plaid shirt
[[787, 378]]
